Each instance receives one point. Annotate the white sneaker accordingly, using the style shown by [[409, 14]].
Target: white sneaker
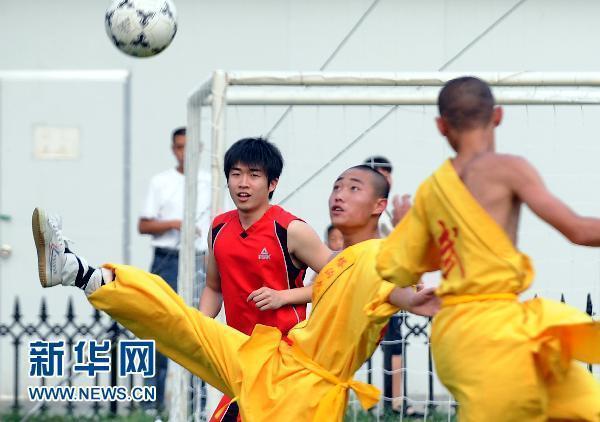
[[54, 266]]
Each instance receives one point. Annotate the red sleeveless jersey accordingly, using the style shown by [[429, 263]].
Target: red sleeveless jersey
[[250, 259]]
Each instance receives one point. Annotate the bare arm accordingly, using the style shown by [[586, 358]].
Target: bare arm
[[266, 298], [401, 205], [304, 244], [530, 189], [150, 226], [423, 302], [212, 298]]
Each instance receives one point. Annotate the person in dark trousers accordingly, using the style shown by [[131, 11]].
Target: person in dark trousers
[[161, 218]]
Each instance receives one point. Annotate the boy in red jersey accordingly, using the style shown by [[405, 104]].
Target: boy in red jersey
[[304, 376], [258, 252], [264, 372]]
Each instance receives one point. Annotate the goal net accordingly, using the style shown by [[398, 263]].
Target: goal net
[[325, 122]]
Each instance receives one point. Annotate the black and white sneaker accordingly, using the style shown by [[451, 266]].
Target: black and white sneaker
[[54, 266]]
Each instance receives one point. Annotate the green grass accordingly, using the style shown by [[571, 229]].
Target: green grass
[[363, 416], [138, 416]]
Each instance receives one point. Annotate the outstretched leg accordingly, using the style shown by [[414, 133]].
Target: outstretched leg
[[146, 305]]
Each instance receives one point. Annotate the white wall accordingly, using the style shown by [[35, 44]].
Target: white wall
[[288, 35], [545, 35]]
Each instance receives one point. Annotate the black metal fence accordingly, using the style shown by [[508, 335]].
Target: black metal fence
[[17, 333], [20, 331]]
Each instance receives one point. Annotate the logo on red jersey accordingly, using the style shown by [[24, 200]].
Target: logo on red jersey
[[264, 254]]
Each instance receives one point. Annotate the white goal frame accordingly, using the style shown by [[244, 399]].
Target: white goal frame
[[336, 88]]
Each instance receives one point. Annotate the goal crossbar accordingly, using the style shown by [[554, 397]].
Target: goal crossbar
[[338, 88]]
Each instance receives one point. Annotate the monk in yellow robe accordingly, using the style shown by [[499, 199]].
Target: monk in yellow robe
[[503, 360], [303, 377]]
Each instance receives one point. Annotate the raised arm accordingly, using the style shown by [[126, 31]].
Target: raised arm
[[530, 189], [400, 207], [212, 298]]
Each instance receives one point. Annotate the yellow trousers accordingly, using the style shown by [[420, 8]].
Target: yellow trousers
[[147, 306], [271, 378]]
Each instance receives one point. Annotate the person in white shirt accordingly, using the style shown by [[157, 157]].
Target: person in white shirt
[[161, 218]]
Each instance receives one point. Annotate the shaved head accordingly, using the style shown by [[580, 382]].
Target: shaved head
[[357, 200], [379, 182], [466, 103]]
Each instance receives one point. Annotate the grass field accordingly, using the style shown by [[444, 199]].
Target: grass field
[[140, 416], [135, 417], [395, 417]]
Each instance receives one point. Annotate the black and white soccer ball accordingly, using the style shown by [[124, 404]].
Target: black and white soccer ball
[[141, 28]]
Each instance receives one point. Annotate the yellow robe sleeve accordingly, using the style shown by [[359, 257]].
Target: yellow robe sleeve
[[380, 308], [410, 250]]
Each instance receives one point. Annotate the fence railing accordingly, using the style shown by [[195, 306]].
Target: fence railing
[[404, 331], [19, 331]]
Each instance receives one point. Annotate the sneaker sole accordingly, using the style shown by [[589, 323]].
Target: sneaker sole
[[37, 222]]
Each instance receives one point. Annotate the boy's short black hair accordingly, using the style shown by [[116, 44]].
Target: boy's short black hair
[[466, 103], [380, 183], [379, 162], [178, 132], [255, 152]]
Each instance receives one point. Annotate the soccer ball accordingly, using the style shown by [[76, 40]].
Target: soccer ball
[[141, 28]]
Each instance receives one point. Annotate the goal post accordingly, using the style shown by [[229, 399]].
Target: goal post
[[347, 88], [251, 88]]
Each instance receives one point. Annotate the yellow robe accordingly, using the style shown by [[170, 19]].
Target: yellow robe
[[503, 360], [305, 377]]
